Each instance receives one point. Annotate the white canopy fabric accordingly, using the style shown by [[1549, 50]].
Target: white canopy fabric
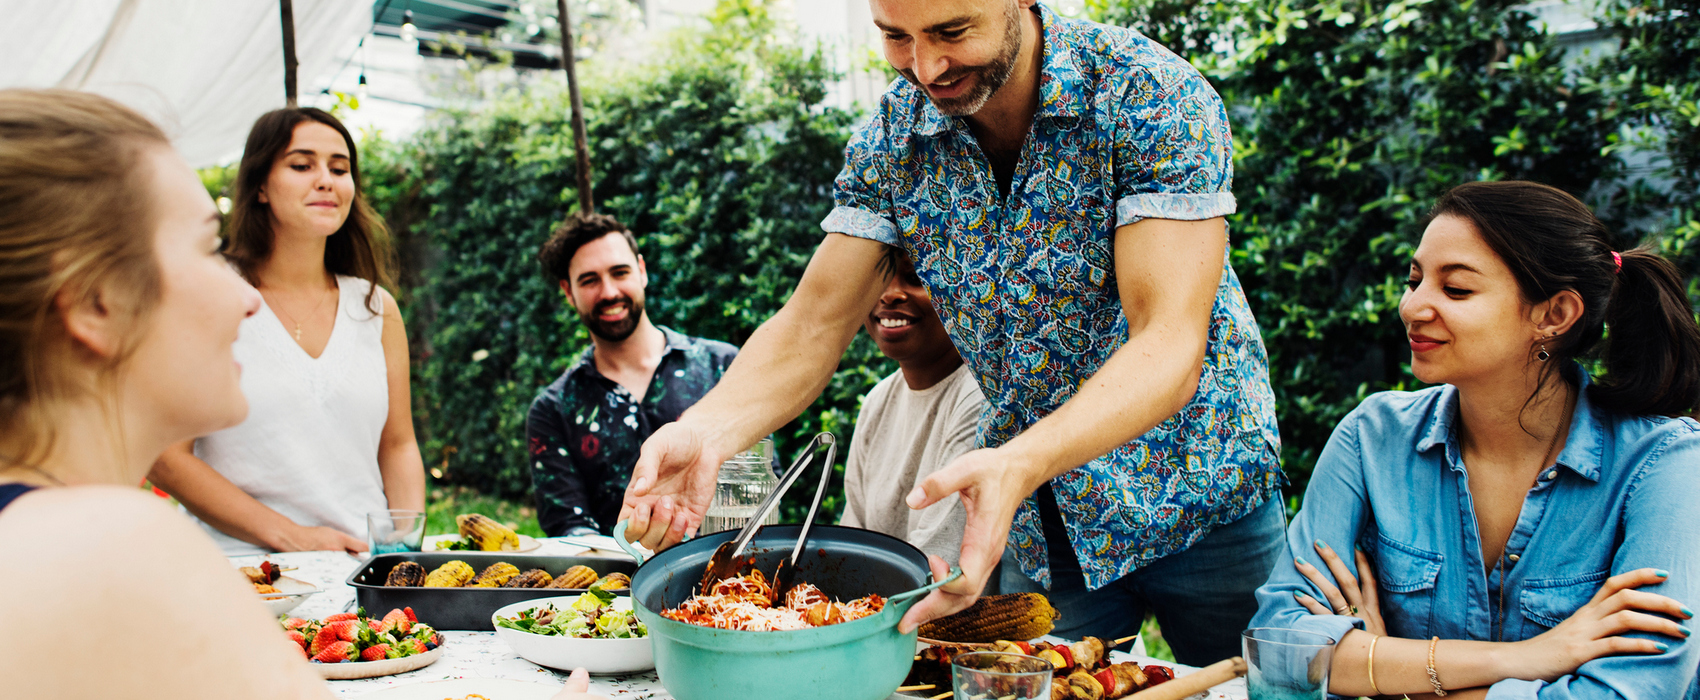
[[204, 70]]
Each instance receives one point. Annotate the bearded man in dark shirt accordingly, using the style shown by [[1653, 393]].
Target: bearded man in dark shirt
[[585, 428]]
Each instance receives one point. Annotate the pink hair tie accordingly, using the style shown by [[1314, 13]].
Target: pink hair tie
[[1617, 259]]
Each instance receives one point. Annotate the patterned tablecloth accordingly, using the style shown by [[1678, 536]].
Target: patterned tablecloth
[[481, 655]]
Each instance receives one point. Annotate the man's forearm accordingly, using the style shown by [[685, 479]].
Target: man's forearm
[[779, 371], [788, 360]]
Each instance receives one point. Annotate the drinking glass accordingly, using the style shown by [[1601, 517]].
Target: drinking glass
[[997, 674], [1286, 664], [390, 531]]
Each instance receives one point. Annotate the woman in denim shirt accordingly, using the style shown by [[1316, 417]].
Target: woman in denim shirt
[[1521, 529]]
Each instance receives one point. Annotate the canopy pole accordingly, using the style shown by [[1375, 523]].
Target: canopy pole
[[580, 145], [287, 8]]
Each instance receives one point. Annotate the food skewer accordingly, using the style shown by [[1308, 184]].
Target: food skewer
[[912, 688], [943, 695]]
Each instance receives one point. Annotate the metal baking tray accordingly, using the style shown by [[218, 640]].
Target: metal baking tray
[[464, 608]]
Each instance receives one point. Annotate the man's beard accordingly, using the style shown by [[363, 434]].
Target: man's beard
[[988, 77], [613, 331]]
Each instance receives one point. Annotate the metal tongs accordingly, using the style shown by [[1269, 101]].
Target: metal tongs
[[727, 558]]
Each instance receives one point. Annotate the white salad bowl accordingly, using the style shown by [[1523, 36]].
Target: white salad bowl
[[601, 656]]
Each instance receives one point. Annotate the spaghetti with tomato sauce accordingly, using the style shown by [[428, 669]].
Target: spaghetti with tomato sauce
[[748, 603]]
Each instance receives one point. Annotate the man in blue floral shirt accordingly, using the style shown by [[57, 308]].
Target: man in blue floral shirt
[[1060, 186]]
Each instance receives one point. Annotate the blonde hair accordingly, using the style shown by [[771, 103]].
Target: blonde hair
[[76, 221]]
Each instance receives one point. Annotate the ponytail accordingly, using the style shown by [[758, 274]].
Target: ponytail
[[1651, 355]]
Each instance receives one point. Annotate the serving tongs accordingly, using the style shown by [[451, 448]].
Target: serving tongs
[[727, 559]]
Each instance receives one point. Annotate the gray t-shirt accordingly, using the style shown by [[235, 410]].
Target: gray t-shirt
[[903, 435]]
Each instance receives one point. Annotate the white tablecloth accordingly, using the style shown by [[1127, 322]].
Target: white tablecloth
[[481, 655]]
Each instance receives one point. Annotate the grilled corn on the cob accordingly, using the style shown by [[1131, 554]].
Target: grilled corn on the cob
[[453, 574], [614, 582], [487, 535], [407, 573], [577, 577], [1009, 616], [535, 578], [494, 575]]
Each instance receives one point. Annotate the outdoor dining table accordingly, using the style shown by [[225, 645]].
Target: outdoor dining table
[[481, 655]]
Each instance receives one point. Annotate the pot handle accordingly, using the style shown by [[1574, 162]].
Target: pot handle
[[907, 597], [620, 539]]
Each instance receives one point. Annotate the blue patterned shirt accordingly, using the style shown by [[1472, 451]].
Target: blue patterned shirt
[[1026, 284]]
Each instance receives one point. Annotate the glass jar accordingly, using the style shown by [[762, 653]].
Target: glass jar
[[745, 481]]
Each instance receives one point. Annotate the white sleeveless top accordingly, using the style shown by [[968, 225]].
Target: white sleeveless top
[[309, 448]]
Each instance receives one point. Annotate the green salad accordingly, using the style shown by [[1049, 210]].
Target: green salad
[[591, 616]]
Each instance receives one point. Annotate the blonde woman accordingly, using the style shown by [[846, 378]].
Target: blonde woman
[[117, 316], [330, 437]]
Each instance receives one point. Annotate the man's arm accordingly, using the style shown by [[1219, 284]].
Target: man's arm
[[778, 373], [562, 506], [1167, 273]]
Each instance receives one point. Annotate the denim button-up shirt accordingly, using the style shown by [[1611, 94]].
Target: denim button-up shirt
[[1393, 482], [1026, 286]]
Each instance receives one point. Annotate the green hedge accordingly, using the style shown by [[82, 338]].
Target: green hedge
[[719, 155]]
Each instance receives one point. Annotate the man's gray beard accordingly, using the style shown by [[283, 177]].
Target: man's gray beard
[[992, 75]]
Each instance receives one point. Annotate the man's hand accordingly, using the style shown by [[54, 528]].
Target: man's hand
[[993, 482], [671, 487]]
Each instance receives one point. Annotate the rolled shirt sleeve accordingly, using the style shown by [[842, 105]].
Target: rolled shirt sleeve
[[861, 208], [1174, 150]]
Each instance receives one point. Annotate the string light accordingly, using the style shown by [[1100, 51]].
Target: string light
[[361, 91], [409, 33]]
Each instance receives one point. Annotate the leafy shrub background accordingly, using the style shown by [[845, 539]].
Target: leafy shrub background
[[718, 155], [1350, 118]]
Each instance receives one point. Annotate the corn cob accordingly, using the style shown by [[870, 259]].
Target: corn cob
[[494, 576], [535, 578], [451, 575], [485, 534], [614, 582], [1010, 616], [576, 577], [407, 573]]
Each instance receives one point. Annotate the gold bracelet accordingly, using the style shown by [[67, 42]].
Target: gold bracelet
[[1371, 664], [1434, 678]]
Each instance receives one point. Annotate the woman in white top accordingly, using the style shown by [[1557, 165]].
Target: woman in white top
[[329, 437]]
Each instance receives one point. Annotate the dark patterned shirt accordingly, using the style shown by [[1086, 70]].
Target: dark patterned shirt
[[584, 430]]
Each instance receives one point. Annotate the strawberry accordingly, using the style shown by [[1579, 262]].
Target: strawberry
[[398, 621], [325, 637], [410, 616], [337, 652], [418, 646], [345, 630], [378, 627], [295, 623], [297, 637], [339, 617], [376, 652]]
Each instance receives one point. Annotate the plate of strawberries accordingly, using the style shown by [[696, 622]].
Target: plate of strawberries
[[352, 645]]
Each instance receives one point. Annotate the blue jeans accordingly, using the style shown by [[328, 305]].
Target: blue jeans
[[1202, 596]]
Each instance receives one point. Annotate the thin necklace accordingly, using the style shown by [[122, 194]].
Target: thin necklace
[[310, 314]]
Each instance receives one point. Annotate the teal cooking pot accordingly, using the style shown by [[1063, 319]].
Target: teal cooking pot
[[862, 659]]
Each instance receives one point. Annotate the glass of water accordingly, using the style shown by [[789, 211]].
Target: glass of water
[[390, 531], [1286, 664], [996, 674]]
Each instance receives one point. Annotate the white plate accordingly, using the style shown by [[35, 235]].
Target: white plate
[[291, 592], [372, 669], [493, 688], [567, 653], [526, 544]]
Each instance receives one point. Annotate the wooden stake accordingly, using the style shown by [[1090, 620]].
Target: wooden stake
[[942, 696], [912, 688], [941, 643], [287, 10], [1123, 640], [580, 144]]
